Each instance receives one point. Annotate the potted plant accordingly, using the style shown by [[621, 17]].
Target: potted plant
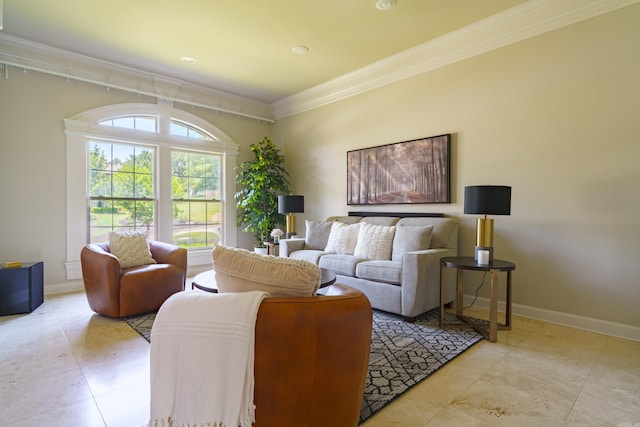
[[260, 181]]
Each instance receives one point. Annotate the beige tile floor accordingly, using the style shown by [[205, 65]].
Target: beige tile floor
[[63, 365]]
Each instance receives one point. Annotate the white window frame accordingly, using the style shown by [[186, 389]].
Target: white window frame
[[84, 126]]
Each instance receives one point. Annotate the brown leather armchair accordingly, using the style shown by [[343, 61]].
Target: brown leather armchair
[[312, 359], [117, 292]]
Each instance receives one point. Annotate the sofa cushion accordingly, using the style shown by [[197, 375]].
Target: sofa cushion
[[380, 271], [317, 234], [131, 248], [375, 241], [410, 238], [238, 270], [341, 264], [445, 230], [342, 238], [310, 255]]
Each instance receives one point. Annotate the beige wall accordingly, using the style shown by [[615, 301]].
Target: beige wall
[[33, 153], [556, 118]]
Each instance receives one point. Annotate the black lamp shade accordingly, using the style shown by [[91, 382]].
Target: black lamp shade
[[487, 199], [290, 204]]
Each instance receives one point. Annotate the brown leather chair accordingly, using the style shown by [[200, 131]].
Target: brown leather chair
[[312, 358], [117, 292]]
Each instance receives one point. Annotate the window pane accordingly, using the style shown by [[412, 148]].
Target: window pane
[[100, 183], [121, 189], [143, 160], [178, 130], [213, 190], [143, 213], [180, 214], [182, 129], [101, 219], [179, 186], [123, 184], [196, 188], [121, 154], [192, 133], [146, 123], [197, 224], [213, 213], [124, 122], [100, 156], [143, 187], [196, 206], [179, 163]]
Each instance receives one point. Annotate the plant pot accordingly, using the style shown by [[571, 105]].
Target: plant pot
[[262, 251]]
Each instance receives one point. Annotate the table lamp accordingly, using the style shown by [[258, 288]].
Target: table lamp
[[486, 200], [289, 205]]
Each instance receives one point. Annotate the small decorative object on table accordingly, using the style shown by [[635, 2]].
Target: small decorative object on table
[[276, 233], [11, 264]]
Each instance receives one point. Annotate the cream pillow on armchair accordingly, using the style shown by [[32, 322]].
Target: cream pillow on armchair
[[239, 270], [131, 248]]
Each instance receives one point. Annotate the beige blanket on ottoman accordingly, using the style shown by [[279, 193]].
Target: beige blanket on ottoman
[[202, 356]]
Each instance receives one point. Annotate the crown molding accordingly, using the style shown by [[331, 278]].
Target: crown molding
[[528, 20], [21, 53]]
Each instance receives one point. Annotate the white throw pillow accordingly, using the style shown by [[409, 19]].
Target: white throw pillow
[[342, 238], [375, 242], [238, 270], [131, 248]]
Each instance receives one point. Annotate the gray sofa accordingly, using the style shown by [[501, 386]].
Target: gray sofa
[[405, 279]]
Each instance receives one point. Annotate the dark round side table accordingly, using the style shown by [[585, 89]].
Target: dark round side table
[[461, 263]]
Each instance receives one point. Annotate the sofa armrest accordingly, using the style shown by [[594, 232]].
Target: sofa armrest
[[421, 280], [287, 246]]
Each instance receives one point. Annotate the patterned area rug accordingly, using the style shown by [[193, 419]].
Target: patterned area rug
[[402, 354]]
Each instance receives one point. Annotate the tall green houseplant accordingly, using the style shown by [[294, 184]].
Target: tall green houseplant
[[260, 181]]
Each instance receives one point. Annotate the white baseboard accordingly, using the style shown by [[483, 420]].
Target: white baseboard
[[61, 288], [604, 327]]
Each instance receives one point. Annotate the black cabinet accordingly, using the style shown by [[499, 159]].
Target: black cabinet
[[21, 288]]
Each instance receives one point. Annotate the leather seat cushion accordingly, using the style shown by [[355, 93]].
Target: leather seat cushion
[[146, 287]]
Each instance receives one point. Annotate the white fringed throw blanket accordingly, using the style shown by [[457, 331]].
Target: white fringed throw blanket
[[202, 356]]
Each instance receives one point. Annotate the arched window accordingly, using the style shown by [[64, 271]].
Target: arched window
[[146, 166]]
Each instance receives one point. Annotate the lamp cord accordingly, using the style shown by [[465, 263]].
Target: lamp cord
[[484, 275]]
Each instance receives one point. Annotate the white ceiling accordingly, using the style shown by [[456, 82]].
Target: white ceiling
[[242, 47]]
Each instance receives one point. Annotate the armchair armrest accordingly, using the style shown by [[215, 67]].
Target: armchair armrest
[[287, 246], [101, 275], [166, 253]]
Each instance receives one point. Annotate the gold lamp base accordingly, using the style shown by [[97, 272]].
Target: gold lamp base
[[484, 237], [291, 225]]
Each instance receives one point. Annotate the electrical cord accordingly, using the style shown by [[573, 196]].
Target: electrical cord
[[484, 275]]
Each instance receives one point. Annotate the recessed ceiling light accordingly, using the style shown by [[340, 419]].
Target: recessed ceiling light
[[300, 50], [188, 59], [385, 4]]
